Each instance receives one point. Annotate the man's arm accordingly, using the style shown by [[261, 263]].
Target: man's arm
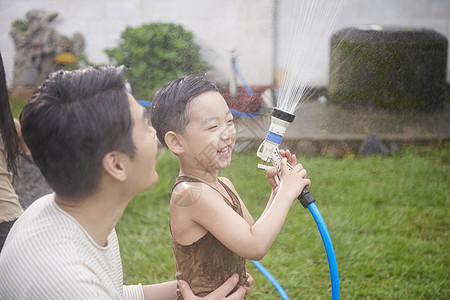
[[162, 291]]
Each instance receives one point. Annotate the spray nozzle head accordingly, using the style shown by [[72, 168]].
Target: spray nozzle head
[[280, 121], [282, 115]]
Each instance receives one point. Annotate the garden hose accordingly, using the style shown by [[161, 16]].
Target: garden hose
[[268, 152], [272, 279]]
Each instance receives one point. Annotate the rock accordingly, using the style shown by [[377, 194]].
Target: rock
[[373, 146], [37, 44]]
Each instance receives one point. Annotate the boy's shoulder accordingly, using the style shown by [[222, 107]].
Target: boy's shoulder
[[228, 182], [186, 188], [189, 193]]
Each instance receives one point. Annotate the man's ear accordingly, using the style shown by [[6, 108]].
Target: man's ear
[[173, 142], [114, 166]]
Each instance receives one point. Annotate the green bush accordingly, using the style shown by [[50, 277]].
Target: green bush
[[155, 54]]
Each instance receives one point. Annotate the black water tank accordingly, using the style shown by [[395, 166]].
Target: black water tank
[[388, 67]]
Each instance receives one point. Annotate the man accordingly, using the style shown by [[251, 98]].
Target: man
[[92, 143]]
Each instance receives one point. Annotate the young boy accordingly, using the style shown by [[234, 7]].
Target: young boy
[[93, 144], [212, 231]]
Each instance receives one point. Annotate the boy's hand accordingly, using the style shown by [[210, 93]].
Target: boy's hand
[[271, 173], [292, 181]]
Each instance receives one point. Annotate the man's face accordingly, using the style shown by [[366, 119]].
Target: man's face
[[141, 169]]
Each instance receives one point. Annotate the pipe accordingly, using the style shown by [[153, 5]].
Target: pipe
[[268, 152], [332, 264], [272, 279]]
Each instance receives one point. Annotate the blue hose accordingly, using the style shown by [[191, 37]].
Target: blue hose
[[272, 279], [244, 114], [307, 200], [242, 79], [332, 264], [145, 103]]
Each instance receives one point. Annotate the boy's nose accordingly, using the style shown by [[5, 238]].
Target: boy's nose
[[226, 134], [229, 133]]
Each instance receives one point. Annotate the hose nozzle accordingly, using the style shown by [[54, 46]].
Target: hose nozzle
[[268, 150], [280, 122]]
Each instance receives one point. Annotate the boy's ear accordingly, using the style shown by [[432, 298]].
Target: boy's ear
[[114, 166], [174, 142]]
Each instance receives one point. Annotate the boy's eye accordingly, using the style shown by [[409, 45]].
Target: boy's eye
[[212, 127], [231, 121]]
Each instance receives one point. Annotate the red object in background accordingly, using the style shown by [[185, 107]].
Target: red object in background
[[244, 102]]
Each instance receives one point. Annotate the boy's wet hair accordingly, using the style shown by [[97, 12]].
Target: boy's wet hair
[[169, 105]]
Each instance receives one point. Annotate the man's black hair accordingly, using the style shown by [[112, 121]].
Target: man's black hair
[[72, 121]]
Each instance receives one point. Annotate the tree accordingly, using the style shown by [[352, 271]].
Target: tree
[[155, 54]]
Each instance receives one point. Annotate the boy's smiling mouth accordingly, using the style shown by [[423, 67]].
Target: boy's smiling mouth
[[224, 152]]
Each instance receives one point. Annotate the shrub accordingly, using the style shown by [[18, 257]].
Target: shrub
[[155, 54]]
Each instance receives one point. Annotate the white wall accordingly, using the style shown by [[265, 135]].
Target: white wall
[[219, 26]]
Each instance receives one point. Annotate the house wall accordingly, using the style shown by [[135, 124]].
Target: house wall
[[220, 26]]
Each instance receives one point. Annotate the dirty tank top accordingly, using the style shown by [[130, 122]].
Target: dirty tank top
[[206, 264]]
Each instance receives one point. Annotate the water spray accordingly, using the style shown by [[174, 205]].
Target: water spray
[[308, 40], [268, 151]]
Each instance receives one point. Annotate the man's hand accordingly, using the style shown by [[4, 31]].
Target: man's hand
[[249, 281], [221, 292]]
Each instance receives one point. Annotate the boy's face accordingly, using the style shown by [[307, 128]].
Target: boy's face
[[210, 135]]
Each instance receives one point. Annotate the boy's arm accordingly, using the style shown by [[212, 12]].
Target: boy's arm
[[248, 241], [246, 214], [270, 175]]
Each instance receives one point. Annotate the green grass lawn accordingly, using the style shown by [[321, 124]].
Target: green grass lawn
[[17, 106], [388, 219]]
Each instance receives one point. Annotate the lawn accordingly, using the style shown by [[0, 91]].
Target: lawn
[[17, 106], [388, 218]]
